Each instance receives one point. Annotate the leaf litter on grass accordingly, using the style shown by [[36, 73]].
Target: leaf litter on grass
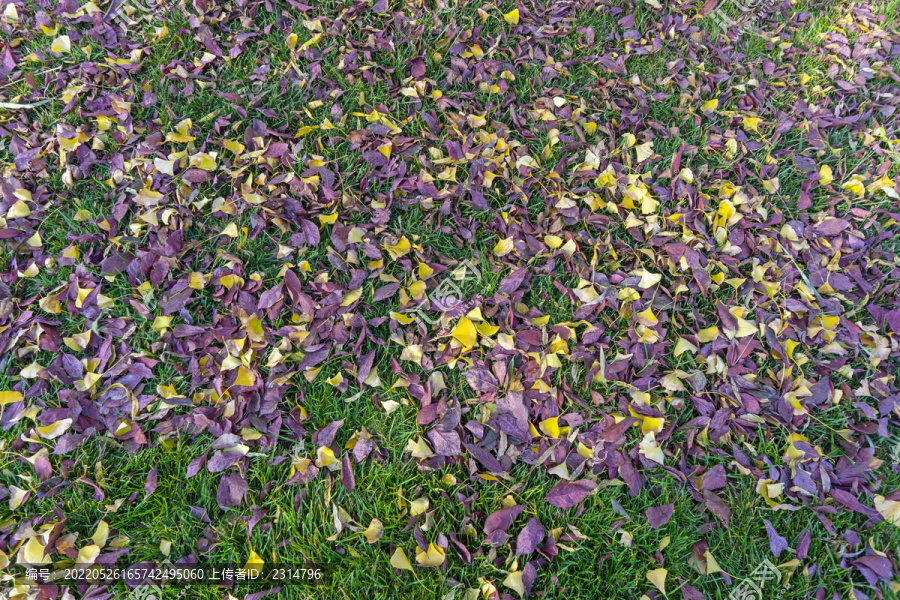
[[284, 195]]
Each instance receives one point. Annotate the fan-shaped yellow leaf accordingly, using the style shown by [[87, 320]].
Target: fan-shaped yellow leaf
[[551, 427], [512, 17], [8, 397], [465, 333], [433, 557], [399, 560], [254, 562], [61, 45], [658, 578]]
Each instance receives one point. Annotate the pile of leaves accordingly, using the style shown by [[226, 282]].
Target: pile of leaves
[[628, 274]]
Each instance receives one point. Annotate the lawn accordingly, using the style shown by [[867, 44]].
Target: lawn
[[446, 299]]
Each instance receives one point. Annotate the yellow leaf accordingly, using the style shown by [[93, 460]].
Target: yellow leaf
[[401, 318], [292, 41], [752, 123], [54, 430], [87, 555], [504, 247], [61, 45], [418, 506], [889, 509], [644, 151], [654, 424], [553, 241], [712, 565], [399, 249], [203, 160], [512, 17], [684, 346], [465, 333], [8, 397], [374, 532], [255, 563], [710, 106], [245, 377], [514, 582], [658, 578], [855, 185], [708, 334], [16, 497], [33, 553], [399, 560], [311, 42], [100, 535], [649, 279], [433, 557], [231, 280], [161, 323], [551, 427], [181, 132], [647, 318], [19, 210], [351, 297], [233, 146], [325, 458], [650, 448]]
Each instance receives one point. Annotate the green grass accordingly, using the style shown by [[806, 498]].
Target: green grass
[[298, 524]]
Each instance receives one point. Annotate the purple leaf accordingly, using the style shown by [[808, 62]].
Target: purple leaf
[[776, 543], [500, 520], [658, 516], [232, 489], [530, 537], [568, 494], [151, 482]]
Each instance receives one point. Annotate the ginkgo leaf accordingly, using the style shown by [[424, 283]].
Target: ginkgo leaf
[[61, 45], [512, 17], [550, 427], [254, 563], [751, 123], [514, 582], [504, 247], [418, 506], [8, 397], [33, 553], [16, 497], [434, 556], [658, 578], [465, 333], [400, 561], [399, 249], [374, 531], [101, 534], [643, 151], [889, 509]]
